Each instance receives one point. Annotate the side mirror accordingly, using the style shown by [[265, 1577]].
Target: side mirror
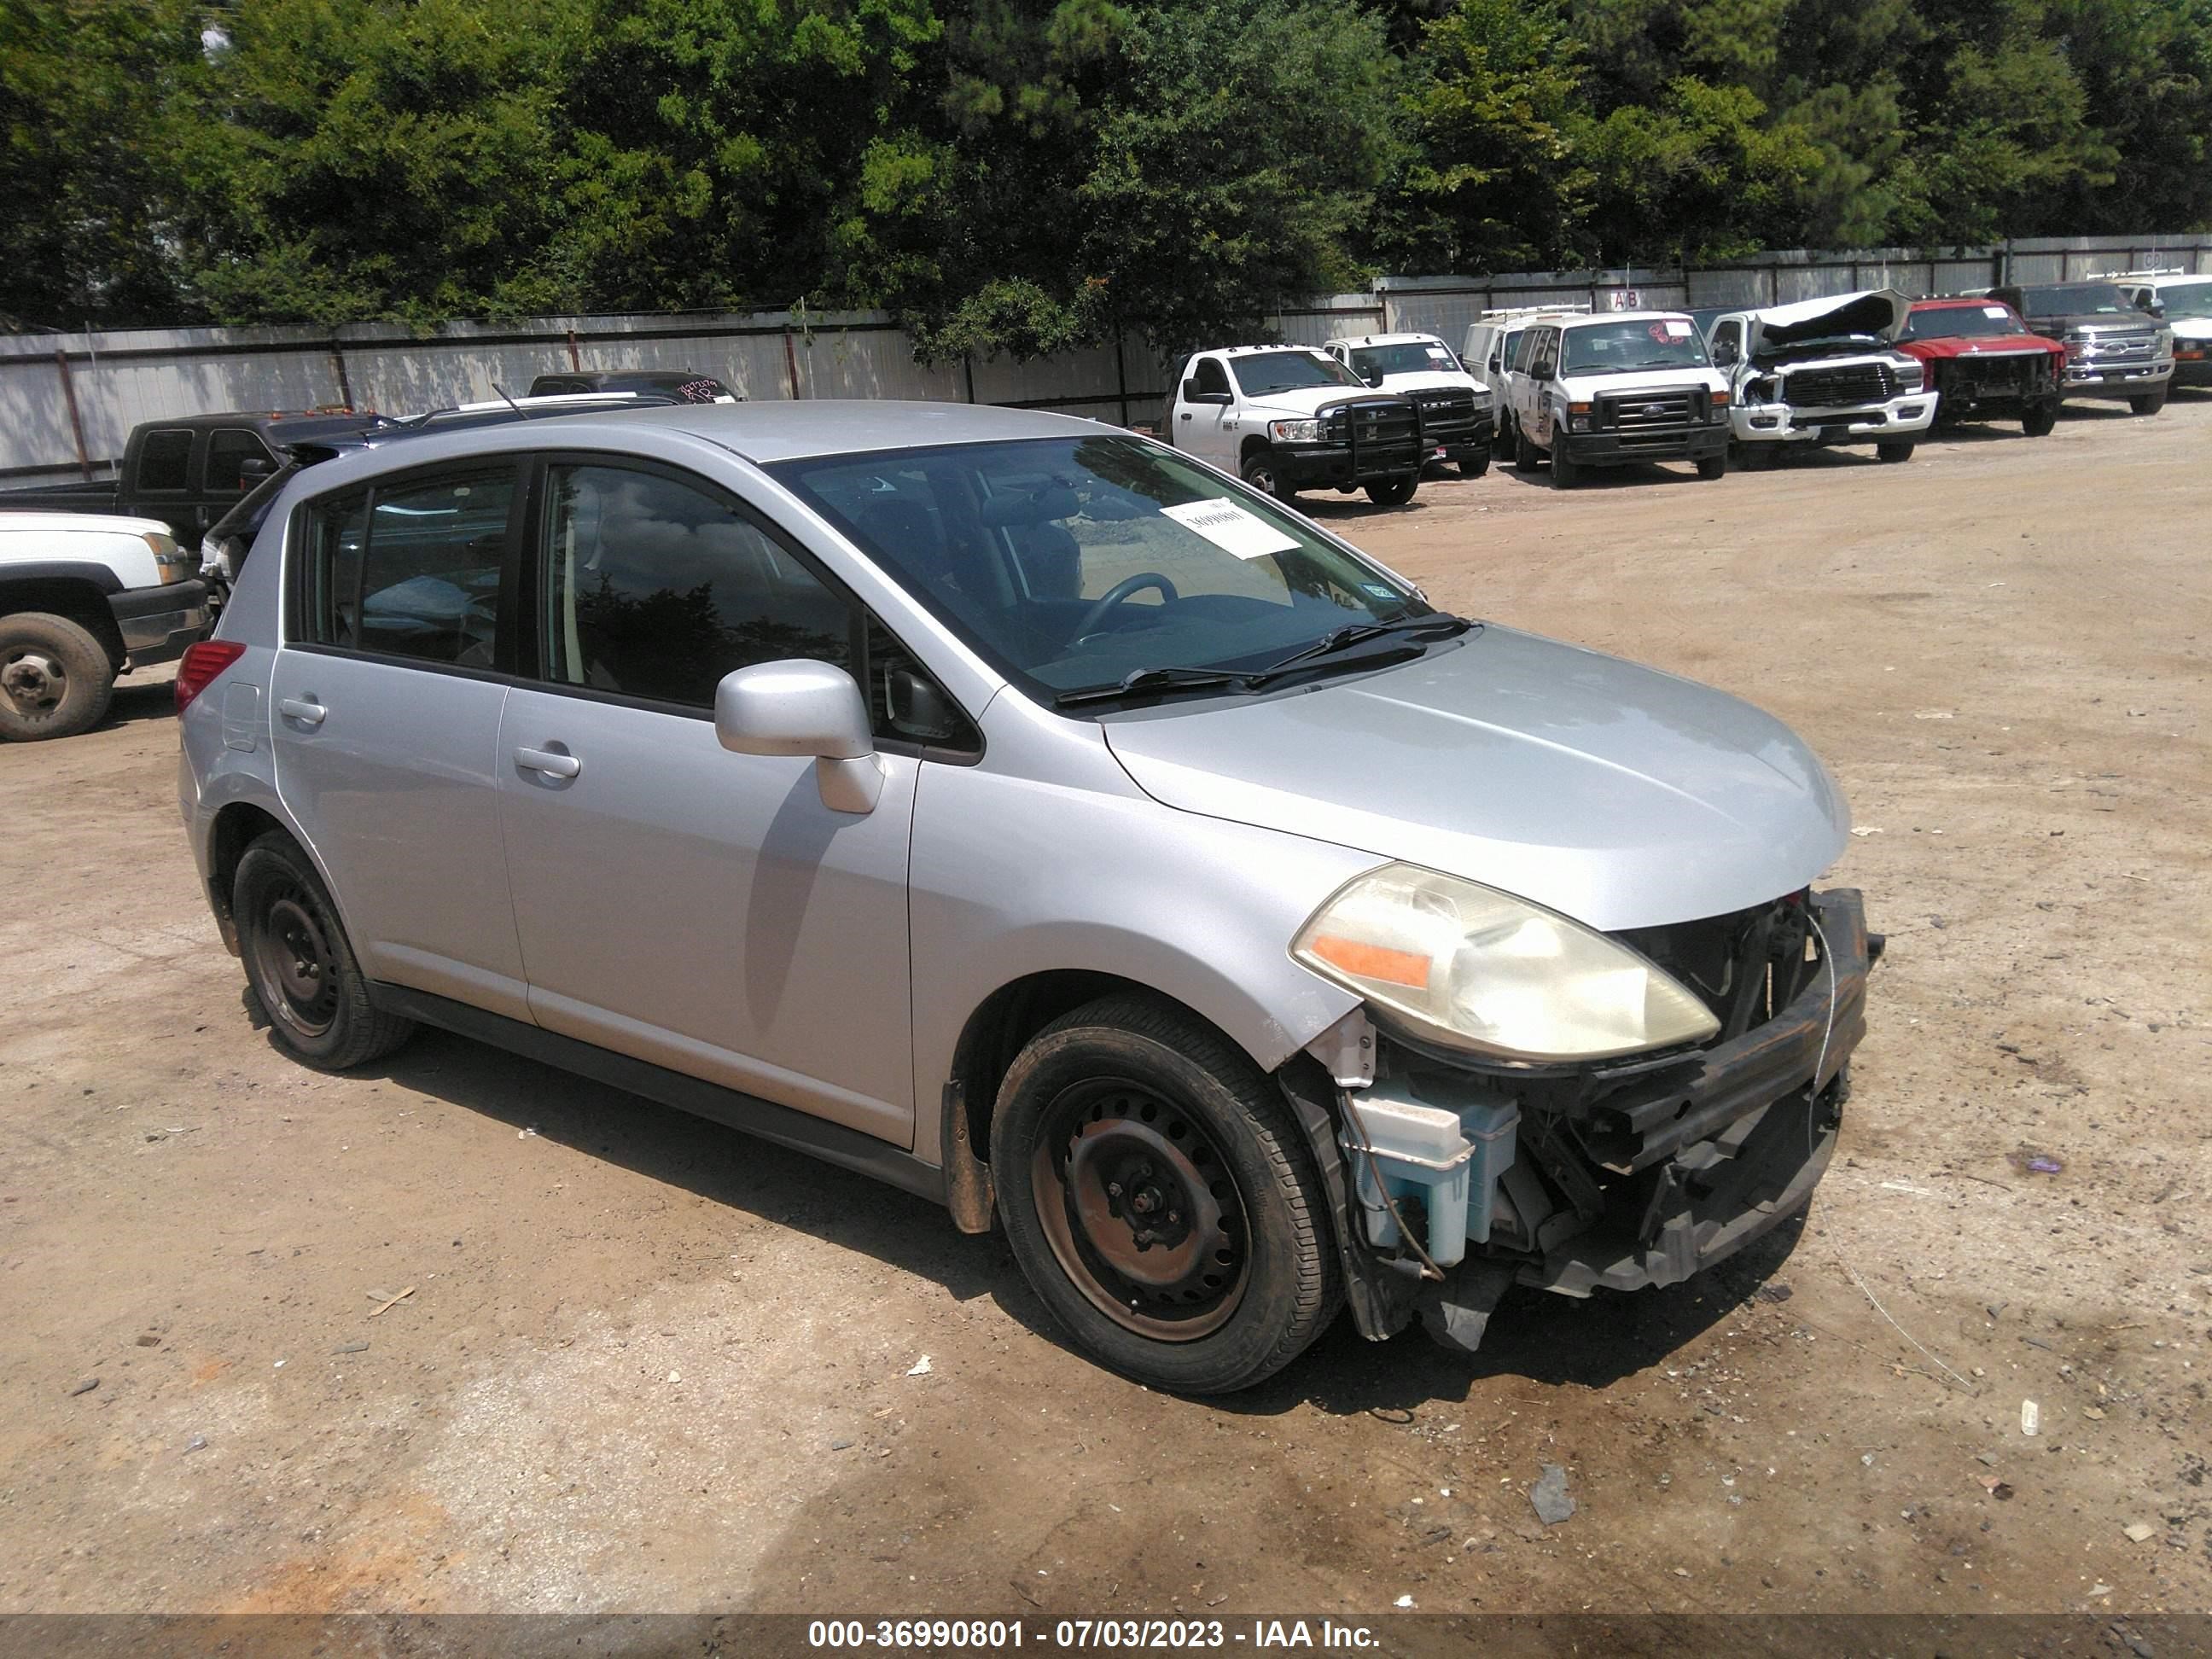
[[1372, 380], [1725, 354], [1191, 394], [803, 707], [256, 467], [1544, 368]]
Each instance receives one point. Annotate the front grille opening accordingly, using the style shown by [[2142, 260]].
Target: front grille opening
[[1745, 967]]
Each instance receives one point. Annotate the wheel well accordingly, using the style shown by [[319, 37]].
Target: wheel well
[[81, 602], [237, 827], [1252, 446], [1002, 1026]]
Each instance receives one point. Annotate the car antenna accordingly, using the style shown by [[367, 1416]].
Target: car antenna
[[508, 401]]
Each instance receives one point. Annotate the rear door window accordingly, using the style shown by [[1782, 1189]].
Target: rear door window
[[164, 460], [412, 568]]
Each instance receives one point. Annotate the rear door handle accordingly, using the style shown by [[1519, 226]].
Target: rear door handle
[[297, 708], [545, 761]]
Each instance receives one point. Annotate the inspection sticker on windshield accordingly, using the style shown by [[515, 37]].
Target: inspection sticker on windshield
[[1230, 528], [1995, 311], [1438, 355], [1676, 331]]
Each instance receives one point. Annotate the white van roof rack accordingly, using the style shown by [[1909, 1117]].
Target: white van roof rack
[[1499, 313], [2123, 275]]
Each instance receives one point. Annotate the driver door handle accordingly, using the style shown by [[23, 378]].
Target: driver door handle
[[545, 761], [307, 714]]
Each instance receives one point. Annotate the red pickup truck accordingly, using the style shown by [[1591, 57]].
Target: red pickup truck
[[1982, 357]]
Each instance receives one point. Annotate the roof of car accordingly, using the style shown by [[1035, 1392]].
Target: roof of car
[[1578, 321], [1954, 302], [763, 432], [1247, 350], [1387, 339]]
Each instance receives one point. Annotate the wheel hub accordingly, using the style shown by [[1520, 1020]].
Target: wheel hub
[[296, 968], [1142, 1212], [34, 682]]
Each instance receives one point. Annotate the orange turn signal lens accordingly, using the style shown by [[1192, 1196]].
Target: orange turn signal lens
[[1374, 962]]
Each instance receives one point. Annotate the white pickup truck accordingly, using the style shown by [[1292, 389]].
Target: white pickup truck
[[1455, 408], [1287, 418], [1613, 388], [1823, 371], [84, 598]]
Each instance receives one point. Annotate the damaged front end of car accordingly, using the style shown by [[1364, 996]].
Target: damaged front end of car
[[1455, 1174]]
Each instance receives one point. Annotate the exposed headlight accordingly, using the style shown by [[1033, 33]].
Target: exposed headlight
[[1294, 432], [1467, 967], [1911, 375]]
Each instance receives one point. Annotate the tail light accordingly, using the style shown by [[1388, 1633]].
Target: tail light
[[199, 666]]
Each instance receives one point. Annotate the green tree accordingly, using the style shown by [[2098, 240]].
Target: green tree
[[84, 160]]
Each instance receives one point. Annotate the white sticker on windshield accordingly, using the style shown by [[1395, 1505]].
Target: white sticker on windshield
[[1230, 528], [1677, 331], [1995, 311], [1438, 355]]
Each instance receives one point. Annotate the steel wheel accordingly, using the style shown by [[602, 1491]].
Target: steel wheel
[[294, 968], [35, 682], [1141, 1210]]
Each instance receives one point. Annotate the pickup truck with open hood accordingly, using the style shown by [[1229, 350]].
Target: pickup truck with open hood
[[1287, 418], [1821, 372]]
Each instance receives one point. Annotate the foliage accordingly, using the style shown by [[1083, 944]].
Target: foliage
[[1023, 176]]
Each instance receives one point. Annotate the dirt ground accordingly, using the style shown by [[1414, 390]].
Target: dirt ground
[[648, 1364]]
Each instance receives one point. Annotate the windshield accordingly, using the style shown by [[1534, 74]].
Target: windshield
[[2077, 299], [1070, 563], [1407, 357], [2192, 301], [1616, 348], [1959, 322], [1284, 371]]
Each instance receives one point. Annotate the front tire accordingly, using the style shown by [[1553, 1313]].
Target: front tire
[[1526, 455], [1394, 492], [1714, 466], [2038, 422], [1898, 449], [1160, 1200], [300, 965], [1475, 463], [1262, 473], [1502, 441], [2150, 403], [55, 678], [1566, 470]]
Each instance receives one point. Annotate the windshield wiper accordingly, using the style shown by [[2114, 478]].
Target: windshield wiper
[[1442, 624], [1139, 681]]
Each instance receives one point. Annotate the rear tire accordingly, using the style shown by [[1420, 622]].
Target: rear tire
[[1714, 466], [1394, 492], [1898, 449], [1502, 441], [2038, 422], [1477, 465], [55, 678], [1130, 1120], [1264, 476], [300, 964], [1526, 455], [2149, 402]]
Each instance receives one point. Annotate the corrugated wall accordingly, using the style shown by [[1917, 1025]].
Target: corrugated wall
[[119, 379]]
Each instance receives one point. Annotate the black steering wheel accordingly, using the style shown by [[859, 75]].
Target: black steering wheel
[[1120, 593]]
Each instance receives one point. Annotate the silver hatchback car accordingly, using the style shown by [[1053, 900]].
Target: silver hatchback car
[[1016, 810]]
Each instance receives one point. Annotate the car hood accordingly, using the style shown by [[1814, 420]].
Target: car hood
[[1307, 400], [1613, 794], [1430, 380], [1638, 381], [1876, 311], [1979, 345]]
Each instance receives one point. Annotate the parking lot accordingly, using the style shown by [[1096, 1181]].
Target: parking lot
[[642, 1364]]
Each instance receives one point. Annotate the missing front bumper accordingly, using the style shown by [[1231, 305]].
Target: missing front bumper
[[1633, 1176]]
